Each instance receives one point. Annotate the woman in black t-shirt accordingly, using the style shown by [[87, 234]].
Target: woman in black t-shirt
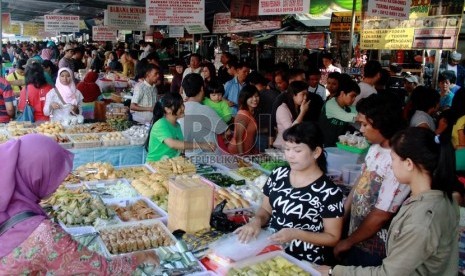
[[300, 202]]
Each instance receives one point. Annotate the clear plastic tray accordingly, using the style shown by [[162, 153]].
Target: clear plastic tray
[[85, 144], [261, 258], [105, 187]]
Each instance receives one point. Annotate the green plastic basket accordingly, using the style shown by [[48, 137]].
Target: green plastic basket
[[352, 149]]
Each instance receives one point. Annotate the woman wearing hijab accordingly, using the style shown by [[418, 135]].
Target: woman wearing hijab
[[64, 93], [89, 89], [35, 245]]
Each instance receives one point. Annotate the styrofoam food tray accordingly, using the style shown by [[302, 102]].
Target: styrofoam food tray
[[135, 223], [126, 202]]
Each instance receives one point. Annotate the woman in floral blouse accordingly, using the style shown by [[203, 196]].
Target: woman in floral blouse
[[36, 245]]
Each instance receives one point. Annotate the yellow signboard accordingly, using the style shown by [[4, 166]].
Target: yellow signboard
[[398, 39], [31, 29], [13, 29]]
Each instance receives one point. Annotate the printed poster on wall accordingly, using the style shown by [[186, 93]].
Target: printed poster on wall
[[438, 28], [126, 17], [276, 7], [176, 31], [186, 12], [104, 33], [31, 29], [61, 23]]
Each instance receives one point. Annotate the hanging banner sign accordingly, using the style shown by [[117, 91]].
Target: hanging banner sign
[[276, 7], [291, 41], [6, 20], [315, 41], [200, 29], [400, 39], [342, 21], [61, 23], [239, 25], [104, 33], [394, 9], [13, 29], [176, 31], [126, 17], [432, 26], [42, 33], [221, 23], [186, 12], [31, 29]]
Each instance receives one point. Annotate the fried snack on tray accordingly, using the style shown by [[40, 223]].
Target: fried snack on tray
[[135, 238], [234, 200], [137, 211], [177, 165]]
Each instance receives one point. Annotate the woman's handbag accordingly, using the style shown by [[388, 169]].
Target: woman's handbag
[[28, 112]]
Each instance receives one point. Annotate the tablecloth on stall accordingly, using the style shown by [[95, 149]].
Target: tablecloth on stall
[[117, 156]]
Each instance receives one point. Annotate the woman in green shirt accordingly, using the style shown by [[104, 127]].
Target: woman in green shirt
[[166, 139]]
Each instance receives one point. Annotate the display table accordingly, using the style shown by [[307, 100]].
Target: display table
[[117, 156]]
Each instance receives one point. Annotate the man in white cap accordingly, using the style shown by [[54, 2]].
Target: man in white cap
[[453, 65], [410, 83], [67, 60]]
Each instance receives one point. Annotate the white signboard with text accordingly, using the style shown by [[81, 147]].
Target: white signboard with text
[[61, 23], [394, 9], [199, 29], [221, 23], [185, 12], [104, 33], [126, 17], [276, 7], [176, 31]]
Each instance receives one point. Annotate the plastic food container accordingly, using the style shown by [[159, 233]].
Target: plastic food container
[[350, 173], [262, 258], [90, 140], [334, 175], [337, 158]]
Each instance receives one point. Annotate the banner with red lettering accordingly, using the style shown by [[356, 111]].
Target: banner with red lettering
[[61, 23], [185, 12], [104, 33], [221, 23], [276, 7], [431, 24], [129, 18]]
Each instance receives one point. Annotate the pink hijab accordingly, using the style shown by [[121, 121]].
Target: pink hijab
[[33, 168], [67, 92]]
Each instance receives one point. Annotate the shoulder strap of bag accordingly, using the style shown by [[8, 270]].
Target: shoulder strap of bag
[[16, 78], [59, 95], [27, 98], [15, 220]]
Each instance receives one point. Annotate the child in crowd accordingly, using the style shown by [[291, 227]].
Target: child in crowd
[[214, 98], [165, 139], [338, 112]]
